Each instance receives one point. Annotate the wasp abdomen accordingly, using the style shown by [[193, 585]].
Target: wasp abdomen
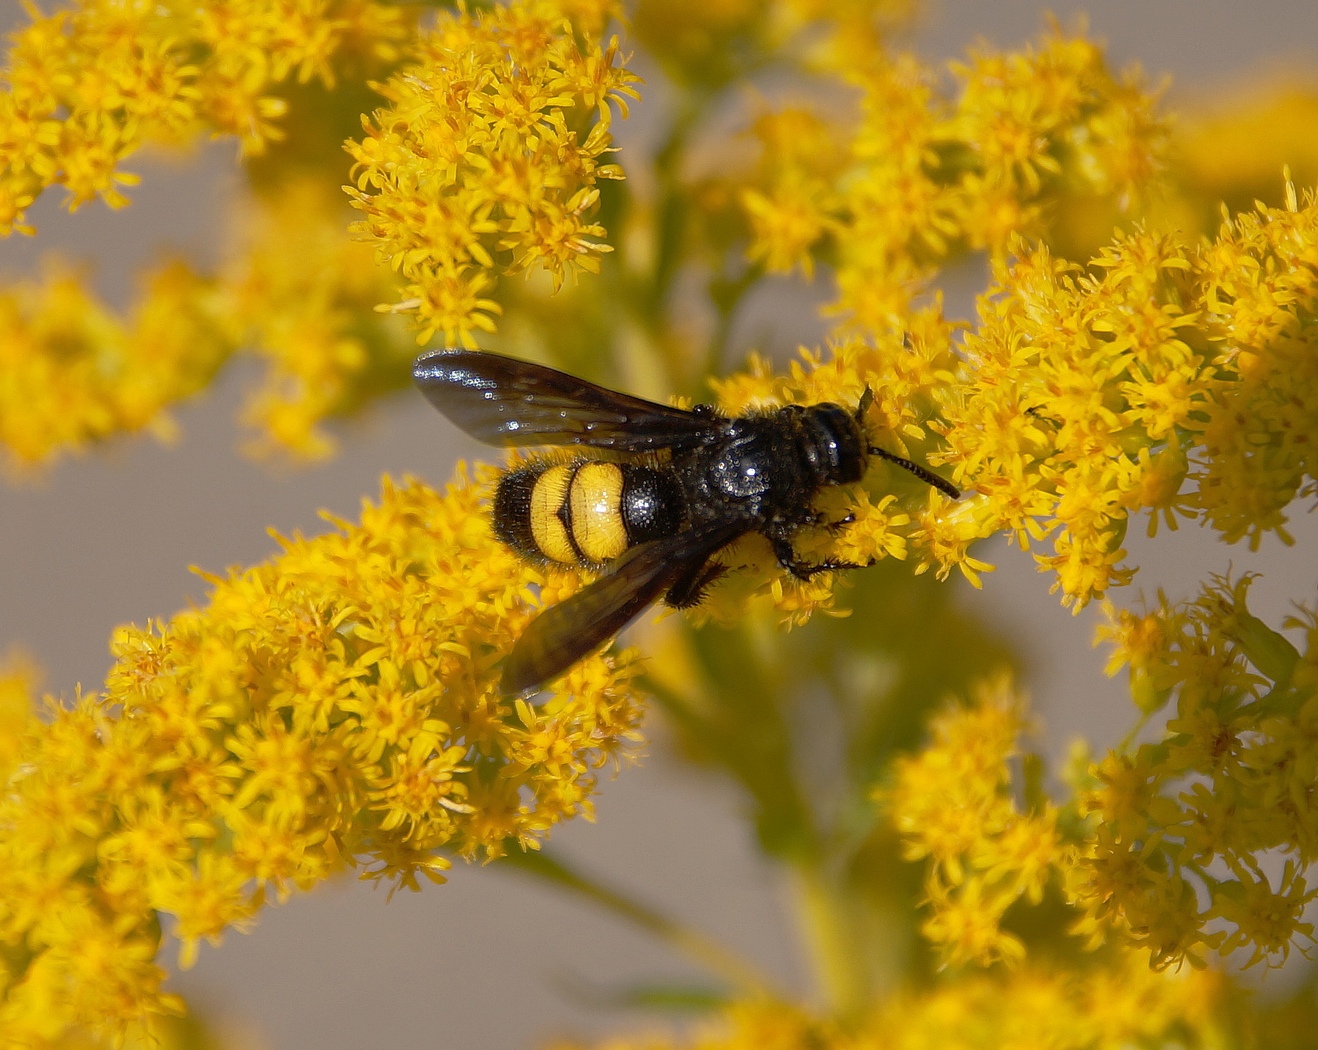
[[586, 512]]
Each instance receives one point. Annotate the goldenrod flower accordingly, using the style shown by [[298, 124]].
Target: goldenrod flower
[[1060, 1006], [1231, 146], [89, 86], [335, 707], [1163, 843], [18, 678], [800, 164], [297, 293], [1181, 825], [922, 178], [486, 161], [953, 804], [1091, 395], [71, 374]]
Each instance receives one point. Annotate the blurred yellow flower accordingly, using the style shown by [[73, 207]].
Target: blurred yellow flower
[[87, 87], [954, 804], [71, 374], [1061, 1007], [296, 292]]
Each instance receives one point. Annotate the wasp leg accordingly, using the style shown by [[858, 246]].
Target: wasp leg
[[817, 519], [802, 570], [691, 587]]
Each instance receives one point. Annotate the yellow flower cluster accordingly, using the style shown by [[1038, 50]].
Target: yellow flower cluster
[[86, 87], [487, 159], [1030, 139], [1205, 840], [72, 374], [1171, 377], [18, 681], [955, 804], [1059, 1007], [1180, 380], [1258, 286], [793, 200], [1113, 1000], [1084, 395], [1200, 842], [336, 706], [298, 294], [703, 45]]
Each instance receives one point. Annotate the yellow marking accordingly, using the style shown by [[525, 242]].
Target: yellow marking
[[596, 511], [546, 527]]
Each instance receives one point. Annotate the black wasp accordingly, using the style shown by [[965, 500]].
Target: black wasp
[[680, 486]]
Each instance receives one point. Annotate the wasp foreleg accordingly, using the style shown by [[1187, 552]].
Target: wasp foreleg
[[788, 559], [691, 587]]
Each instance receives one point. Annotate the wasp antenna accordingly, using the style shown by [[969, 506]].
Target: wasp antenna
[[923, 473]]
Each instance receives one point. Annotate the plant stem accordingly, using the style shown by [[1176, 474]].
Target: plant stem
[[707, 953], [834, 931]]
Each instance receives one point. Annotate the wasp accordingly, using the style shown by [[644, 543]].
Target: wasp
[[664, 491]]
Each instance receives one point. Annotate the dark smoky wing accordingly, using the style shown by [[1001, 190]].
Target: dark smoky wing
[[564, 633], [503, 401]]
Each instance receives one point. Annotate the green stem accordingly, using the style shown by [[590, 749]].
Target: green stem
[[696, 946], [727, 294], [1128, 742], [652, 303], [836, 940], [670, 205]]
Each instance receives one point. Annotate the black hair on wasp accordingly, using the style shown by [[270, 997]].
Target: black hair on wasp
[[678, 486]]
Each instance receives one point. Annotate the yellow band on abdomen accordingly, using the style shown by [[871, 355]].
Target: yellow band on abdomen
[[546, 527], [597, 522]]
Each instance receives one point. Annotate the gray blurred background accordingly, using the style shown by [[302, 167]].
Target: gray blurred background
[[490, 960]]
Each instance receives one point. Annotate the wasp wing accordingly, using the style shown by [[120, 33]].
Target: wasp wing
[[504, 401], [564, 633]]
